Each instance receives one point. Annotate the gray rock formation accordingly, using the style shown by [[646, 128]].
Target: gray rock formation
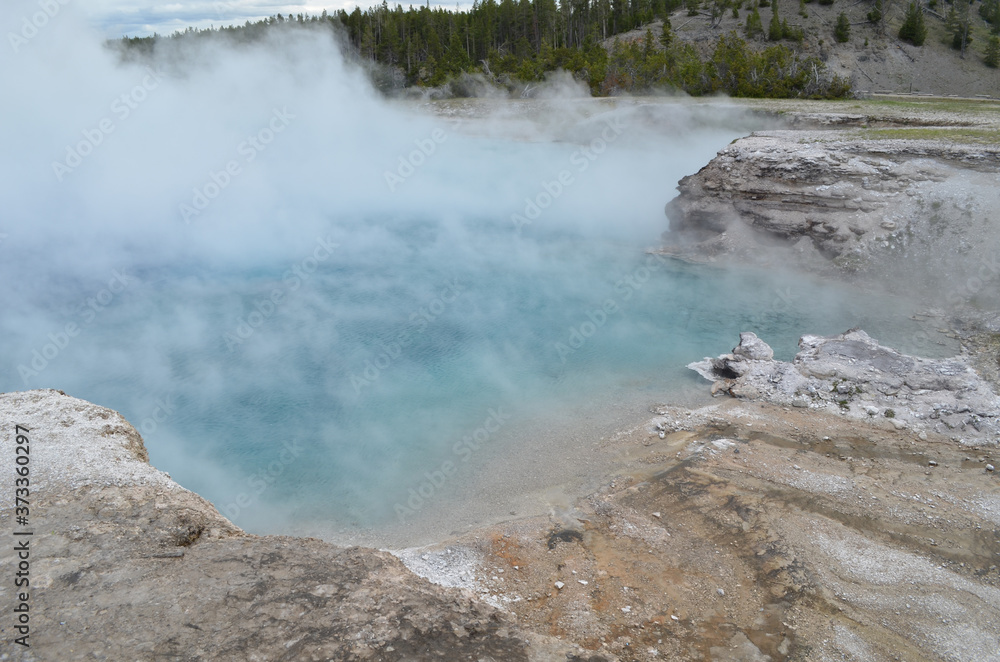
[[854, 374], [913, 212], [125, 565], [753, 348]]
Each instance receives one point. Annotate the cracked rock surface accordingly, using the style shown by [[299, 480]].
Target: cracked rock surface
[[855, 375], [128, 565], [909, 213]]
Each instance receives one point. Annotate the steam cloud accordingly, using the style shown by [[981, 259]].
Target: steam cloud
[[220, 242]]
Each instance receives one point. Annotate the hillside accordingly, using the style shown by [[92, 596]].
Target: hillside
[[872, 63], [511, 46]]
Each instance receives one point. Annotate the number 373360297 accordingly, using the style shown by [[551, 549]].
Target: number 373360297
[[22, 482]]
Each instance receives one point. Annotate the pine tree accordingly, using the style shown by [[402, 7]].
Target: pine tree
[[913, 29], [993, 52], [990, 11], [842, 33], [961, 23], [775, 31], [951, 20], [367, 41], [667, 36], [876, 15], [755, 26], [958, 24]]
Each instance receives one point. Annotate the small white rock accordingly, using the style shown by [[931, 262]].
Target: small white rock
[[559, 585], [627, 609], [674, 618], [720, 591], [989, 467], [656, 515], [583, 581]]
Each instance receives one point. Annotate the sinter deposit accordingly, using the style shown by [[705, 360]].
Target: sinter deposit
[[853, 374]]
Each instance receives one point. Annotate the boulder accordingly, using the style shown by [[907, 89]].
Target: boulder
[[853, 374], [753, 348]]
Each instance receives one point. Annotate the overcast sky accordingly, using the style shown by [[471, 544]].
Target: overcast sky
[[116, 18]]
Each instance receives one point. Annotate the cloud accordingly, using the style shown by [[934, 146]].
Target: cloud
[[140, 18]]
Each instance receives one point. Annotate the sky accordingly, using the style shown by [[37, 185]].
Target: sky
[[138, 18]]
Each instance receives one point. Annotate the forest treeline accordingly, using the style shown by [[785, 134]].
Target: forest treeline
[[513, 43]]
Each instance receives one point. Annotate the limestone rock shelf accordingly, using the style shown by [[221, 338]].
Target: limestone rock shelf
[[127, 565]]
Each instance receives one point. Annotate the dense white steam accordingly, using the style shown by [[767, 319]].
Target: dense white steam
[[222, 241]]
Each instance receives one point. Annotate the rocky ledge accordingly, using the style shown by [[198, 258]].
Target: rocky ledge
[[742, 530], [855, 375], [777, 525], [124, 564], [844, 201]]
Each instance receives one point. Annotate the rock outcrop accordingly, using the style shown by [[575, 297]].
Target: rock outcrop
[[741, 530], [842, 201], [854, 374], [127, 565]]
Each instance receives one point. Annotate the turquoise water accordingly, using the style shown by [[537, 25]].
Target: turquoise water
[[360, 379], [317, 345]]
